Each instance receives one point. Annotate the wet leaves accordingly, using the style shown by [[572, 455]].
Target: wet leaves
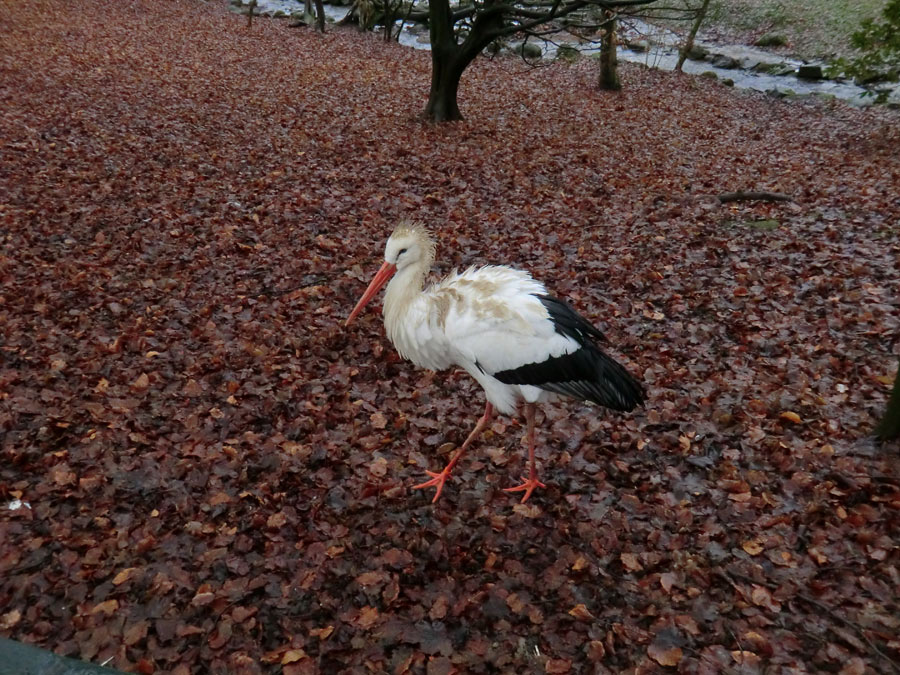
[[201, 468]]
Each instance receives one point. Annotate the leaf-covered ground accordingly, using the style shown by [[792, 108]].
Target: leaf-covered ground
[[202, 470]]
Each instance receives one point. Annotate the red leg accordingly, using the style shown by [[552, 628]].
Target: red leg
[[437, 479], [529, 485]]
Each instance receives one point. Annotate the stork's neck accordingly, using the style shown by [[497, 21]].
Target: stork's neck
[[402, 291]]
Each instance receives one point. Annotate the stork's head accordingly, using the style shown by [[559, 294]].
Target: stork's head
[[409, 245]]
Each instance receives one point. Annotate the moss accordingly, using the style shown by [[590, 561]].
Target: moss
[[568, 53]]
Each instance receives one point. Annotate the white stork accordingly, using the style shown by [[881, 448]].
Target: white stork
[[500, 326]]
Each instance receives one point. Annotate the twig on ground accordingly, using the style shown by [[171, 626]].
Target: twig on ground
[[741, 196]]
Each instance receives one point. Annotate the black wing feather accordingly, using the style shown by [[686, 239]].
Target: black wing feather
[[568, 322], [587, 373]]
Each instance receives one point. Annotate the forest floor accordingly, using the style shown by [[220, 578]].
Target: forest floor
[[813, 29], [203, 470]]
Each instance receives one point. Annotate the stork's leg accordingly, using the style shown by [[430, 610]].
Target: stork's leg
[[529, 485], [437, 479]]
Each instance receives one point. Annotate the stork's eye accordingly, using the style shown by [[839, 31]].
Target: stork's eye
[[401, 252]]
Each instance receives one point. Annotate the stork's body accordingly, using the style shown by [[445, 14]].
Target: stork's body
[[502, 327]]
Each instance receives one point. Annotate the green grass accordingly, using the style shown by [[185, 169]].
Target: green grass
[[813, 28]]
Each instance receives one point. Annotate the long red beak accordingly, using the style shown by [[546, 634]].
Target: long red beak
[[381, 278]]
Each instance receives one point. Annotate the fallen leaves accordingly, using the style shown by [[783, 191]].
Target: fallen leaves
[[667, 580], [10, 619], [631, 562], [277, 520], [141, 383], [221, 635], [371, 578], [790, 416], [581, 613], [368, 617], [107, 607], [124, 576], [292, 656], [753, 546], [665, 656], [762, 597], [216, 472], [203, 596], [135, 633]]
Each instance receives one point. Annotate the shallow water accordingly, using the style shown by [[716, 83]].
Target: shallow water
[[661, 54], [666, 58], [293, 6]]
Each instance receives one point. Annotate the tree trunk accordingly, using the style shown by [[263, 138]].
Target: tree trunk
[[445, 75], [320, 16], [365, 13], [689, 42], [449, 58], [388, 19], [609, 73], [889, 427]]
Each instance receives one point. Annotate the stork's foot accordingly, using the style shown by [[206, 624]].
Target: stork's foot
[[437, 480], [528, 487]]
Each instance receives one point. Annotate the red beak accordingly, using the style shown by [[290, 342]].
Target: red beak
[[381, 278]]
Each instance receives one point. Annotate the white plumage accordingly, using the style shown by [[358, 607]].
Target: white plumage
[[484, 320], [502, 327]]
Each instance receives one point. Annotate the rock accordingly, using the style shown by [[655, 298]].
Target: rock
[[750, 63], [529, 50], [709, 74], [568, 52], [638, 45], [728, 82], [783, 69], [771, 40], [495, 47], [772, 68], [809, 72], [697, 53], [726, 62]]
